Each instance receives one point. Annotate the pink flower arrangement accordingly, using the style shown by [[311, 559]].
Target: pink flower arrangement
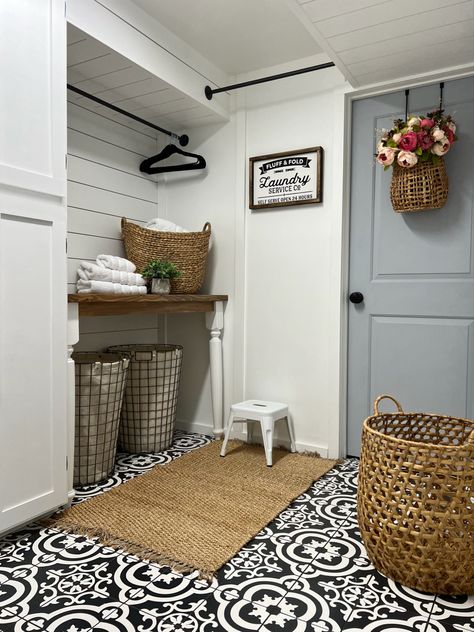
[[419, 139]]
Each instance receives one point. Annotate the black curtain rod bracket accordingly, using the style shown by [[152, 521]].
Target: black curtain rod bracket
[[209, 92], [183, 139]]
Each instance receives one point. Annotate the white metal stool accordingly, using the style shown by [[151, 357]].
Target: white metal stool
[[267, 413]]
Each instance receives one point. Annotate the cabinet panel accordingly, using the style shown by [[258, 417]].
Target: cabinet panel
[[32, 95], [32, 362], [33, 308]]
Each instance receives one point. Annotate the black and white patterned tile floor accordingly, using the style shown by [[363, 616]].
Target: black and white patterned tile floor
[[306, 571]]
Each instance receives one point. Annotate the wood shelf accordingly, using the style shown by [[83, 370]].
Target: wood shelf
[[113, 304]]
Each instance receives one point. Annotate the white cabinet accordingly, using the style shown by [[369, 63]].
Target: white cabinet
[[33, 309]]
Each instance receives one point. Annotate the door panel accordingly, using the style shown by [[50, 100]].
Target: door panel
[[412, 335], [424, 359]]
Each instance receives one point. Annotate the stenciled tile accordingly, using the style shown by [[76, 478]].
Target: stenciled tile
[[306, 571], [452, 614]]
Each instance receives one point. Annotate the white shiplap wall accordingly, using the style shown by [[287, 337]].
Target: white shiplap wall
[[104, 185]]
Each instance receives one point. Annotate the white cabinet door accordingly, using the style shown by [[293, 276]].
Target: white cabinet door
[[33, 407]]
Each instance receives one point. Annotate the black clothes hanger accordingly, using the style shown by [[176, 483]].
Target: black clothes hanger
[[147, 165]]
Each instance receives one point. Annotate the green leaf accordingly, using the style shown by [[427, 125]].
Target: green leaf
[[418, 151], [386, 167], [157, 269], [391, 143]]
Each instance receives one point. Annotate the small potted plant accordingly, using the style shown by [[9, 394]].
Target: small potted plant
[[160, 273]]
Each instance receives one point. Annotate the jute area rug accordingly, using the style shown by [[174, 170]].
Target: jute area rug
[[196, 512]]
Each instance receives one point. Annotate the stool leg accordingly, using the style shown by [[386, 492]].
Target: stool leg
[[291, 432], [267, 424], [249, 431], [227, 433]]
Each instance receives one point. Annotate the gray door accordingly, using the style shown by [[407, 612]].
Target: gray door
[[412, 336]]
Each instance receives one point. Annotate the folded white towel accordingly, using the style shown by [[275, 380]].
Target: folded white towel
[[88, 271], [115, 263], [163, 224], [104, 287]]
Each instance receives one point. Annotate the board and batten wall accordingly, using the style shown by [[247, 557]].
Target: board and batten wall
[[278, 266], [104, 185]]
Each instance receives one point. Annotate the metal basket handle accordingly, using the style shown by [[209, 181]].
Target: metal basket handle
[[380, 398], [207, 227]]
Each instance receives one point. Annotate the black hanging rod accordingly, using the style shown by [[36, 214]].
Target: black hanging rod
[[183, 139], [209, 92]]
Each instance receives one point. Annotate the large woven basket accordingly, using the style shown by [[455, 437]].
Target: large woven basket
[[419, 188], [415, 499], [188, 251]]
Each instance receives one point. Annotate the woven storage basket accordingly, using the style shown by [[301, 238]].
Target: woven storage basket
[[419, 188], [415, 499], [188, 251], [100, 385], [151, 396]]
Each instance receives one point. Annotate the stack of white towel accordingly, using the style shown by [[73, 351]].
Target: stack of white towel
[[161, 224], [109, 275]]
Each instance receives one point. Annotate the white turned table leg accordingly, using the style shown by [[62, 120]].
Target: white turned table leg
[[72, 339], [215, 324]]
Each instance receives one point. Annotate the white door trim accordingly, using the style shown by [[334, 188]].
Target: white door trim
[[340, 236]]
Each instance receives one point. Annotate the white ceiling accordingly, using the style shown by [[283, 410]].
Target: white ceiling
[[378, 40], [98, 70], [236, 35]]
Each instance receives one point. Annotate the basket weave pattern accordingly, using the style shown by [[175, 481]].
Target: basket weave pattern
[[188, 251], [415, 507], [419, 188]]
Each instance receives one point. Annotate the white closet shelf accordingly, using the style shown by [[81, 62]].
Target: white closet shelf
[[101, 71], [112, 304]]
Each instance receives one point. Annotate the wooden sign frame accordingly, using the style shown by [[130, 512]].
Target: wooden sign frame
[[300, 181]]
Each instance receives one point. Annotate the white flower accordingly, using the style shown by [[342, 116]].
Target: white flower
[[438, 134], [452, 126], [439, 149], [380, 146], [414, 120], [386, 156], [407, 159], [396, 137]]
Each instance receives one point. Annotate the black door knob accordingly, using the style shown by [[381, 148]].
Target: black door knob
[[356, 297]]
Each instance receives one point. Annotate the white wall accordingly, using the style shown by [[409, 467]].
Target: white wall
[[290, 307], [190, 200], [277, 265], [104, 184]]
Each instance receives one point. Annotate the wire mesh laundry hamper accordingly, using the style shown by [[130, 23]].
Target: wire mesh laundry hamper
[[100, 386], [151, 396], [415, 499]]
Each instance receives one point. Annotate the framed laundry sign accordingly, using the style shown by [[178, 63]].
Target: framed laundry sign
[[286, 179]]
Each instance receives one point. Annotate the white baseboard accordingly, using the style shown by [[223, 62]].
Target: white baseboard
[[195, 426], [239, 432]]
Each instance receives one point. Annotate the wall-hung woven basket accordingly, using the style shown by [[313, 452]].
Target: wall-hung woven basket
[[188, 251], [419, 188], [415, 499]]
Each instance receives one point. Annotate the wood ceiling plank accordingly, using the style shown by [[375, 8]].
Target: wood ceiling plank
[[435, 57], [409, 42], [405, 25], [383, 14], [318, 10]]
